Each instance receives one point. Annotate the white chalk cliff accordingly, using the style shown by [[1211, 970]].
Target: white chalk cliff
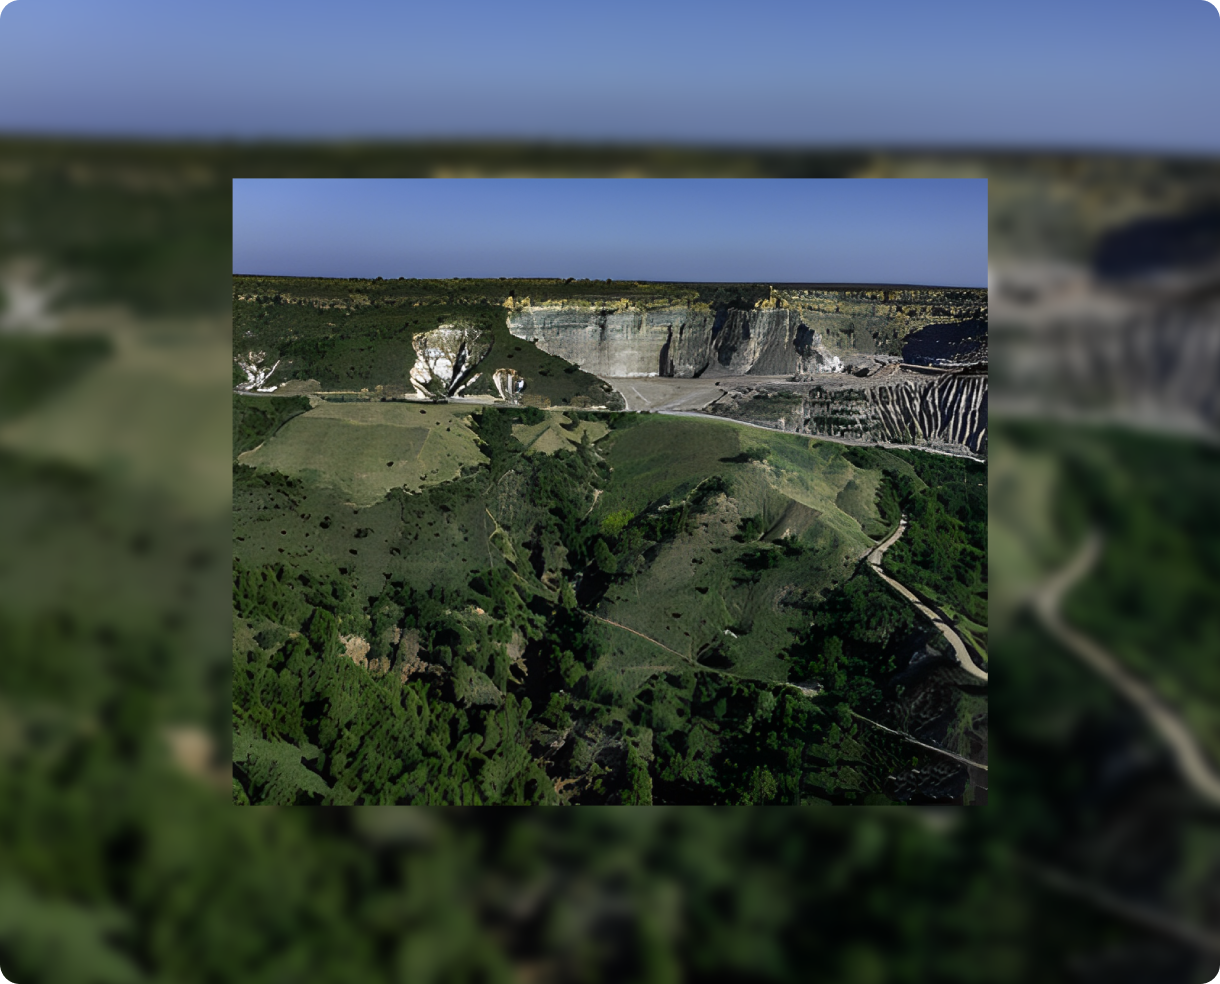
[[803, 332], [445, 359]]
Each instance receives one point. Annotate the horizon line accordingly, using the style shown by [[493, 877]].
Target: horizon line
[[985, 148], [826, 285]]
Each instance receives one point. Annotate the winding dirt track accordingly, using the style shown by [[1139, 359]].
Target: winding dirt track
[[959, 647], [1191, 760]]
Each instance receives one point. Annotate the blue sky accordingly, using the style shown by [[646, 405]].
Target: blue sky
[[900, 231], [1086, 73]]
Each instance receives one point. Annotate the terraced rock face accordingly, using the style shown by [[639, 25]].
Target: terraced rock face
[[943, 411], [829, 337], [630, 342], [794, 331]]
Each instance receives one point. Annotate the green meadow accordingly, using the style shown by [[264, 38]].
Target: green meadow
[[366, 449]]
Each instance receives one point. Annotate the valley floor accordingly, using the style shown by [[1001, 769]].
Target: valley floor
[[660, 393]]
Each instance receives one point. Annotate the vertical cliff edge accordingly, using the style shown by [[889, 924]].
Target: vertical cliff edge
[[796, 330], [902, 365]]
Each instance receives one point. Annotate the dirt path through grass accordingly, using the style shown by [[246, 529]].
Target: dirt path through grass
[[795, 686], [1191, 760], [625, 628], [959, 647]]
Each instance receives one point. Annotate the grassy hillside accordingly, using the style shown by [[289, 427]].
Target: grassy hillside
[[662, 456], [558, 432], [575, 607], [366, 449], [728, 589]]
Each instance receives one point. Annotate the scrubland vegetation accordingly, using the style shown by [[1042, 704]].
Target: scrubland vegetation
[[588, 608]]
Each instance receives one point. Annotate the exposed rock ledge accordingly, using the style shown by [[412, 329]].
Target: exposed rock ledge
[[802, 332], [445, 359]]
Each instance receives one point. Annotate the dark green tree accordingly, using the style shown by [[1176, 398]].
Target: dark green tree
[[605, 560]]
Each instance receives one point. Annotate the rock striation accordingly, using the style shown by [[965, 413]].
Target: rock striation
[[794, 331], [941, 410], [446, 357]]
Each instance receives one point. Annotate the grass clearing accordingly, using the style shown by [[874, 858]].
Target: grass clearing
[[706, 580], [558, 432], [858, 498], [153, 415], [366, 449], [661, 456], [664, 457]]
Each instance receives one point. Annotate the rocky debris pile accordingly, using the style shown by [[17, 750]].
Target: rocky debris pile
[[356, 649], [446, 358], [861, 366], [407, 661]]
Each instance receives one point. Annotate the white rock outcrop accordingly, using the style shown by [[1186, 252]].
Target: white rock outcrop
[[26, 295], [508, 383], [256, 374], [446, 357]]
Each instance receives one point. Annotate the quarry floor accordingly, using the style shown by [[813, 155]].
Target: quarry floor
[[670, 393], [667, 393]]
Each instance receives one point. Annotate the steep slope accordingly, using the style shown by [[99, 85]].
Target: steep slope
[[794, 330]]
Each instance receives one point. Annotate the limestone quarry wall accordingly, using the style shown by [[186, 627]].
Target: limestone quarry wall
[[794, 331]]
